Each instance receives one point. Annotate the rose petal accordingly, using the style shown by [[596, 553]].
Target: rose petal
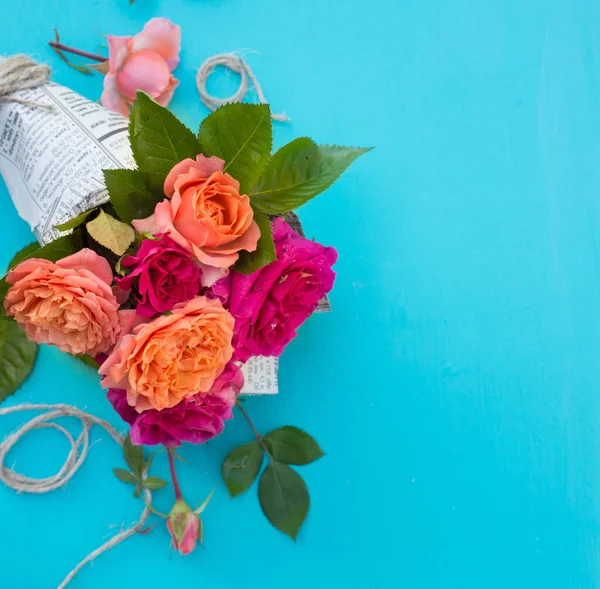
[[111, 96], [146, 71], [89, 260], [161, 36]]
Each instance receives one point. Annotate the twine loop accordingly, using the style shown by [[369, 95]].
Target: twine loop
[[75, 458], [237, 65]]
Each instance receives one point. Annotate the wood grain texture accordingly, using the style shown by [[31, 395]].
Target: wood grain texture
[[455, 387]]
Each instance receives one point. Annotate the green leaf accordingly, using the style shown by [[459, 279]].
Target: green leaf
[[59, 248], [265, 248], [291, 445], [241, 466], [134, 457], [129, 195], [158, 141], [23, 254], [4, 286], [17, 356], [78, 220], [298, 172], [111, 233], [283, 498], [149, 463], [88, 361], [241, 135], [154, 483], [124, 475]]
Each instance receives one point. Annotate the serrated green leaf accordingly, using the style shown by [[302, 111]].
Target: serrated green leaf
[[88, 361], [59, 248], [241, 135], [291, 445], [111, 233], [154, 483], [134, 457], [129, 195], [300, 171], [78, 220], [283, 498], [23, 254], [241, 466], [264, 254], [125, 476], [158, 141], [17, 356]]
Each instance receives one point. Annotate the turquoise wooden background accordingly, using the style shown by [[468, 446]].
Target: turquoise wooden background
[[456, 385]]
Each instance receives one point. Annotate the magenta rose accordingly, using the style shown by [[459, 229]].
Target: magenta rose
[[163, 274], [193, 420], [271, 303]]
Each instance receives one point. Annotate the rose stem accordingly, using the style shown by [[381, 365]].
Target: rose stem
[[258, 436], [173, 474], [85, 54]]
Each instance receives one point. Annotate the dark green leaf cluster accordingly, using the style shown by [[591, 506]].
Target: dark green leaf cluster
[[282, 492]]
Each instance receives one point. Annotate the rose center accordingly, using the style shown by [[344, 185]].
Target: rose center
[[215, 212]]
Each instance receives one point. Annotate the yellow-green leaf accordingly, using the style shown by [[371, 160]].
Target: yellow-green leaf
[[111, 233]]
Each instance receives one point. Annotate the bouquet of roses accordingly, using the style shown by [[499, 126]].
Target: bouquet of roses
[[189, 271]]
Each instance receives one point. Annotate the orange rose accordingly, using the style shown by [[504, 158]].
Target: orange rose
[[173, 357], [206, 215], [68, 304]]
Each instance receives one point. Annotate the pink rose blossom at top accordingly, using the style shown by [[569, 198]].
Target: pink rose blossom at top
[[68, 304], [271, 303], [163, 274], [143, 62], [193, 420]]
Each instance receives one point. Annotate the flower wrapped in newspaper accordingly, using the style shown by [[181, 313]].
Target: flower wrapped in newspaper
[[173, 263]]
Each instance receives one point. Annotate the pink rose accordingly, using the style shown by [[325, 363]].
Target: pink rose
[[163, 274], [205, 213], [271, 303], [143, 62], [195, 420], [68, 304]]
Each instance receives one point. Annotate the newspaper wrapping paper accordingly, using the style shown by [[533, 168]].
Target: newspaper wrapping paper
[[52, 162]]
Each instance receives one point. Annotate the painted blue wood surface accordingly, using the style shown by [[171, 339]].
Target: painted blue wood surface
[[456, 385]]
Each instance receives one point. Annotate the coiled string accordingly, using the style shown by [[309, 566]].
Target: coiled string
[[236, 64], [76, 457]]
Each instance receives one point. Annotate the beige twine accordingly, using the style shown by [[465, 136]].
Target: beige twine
[[76, 457], [236, 64], [20, 72]]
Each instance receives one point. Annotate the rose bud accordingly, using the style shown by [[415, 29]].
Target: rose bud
[[185, 526]]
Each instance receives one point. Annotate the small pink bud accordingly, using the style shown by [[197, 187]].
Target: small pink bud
[[184, 526]]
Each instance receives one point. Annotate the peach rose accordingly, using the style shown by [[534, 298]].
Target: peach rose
[[68, 304], [172, 358], [143, 62], [206, 215]]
